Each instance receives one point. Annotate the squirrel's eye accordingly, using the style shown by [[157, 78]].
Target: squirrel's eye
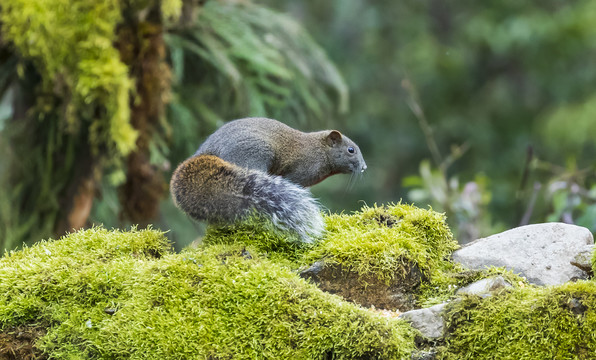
[[351, 149]]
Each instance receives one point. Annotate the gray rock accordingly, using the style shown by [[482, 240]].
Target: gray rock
[[429, 320], [424, 355], [583, 260], [540, 252], [485, 287]]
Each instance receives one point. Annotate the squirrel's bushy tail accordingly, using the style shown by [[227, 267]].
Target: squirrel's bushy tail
[[209, 188]]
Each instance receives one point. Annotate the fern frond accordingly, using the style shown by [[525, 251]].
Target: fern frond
[[248, 60]]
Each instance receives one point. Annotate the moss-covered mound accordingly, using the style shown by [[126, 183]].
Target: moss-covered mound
[[394, 256], [383, 240], [526, 323], [124, 295]]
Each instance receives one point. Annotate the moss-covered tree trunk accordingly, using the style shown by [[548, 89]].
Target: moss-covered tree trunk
[[81, 61], [76, 199], [142, 48]]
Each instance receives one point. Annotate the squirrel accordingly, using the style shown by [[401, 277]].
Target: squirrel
[[262, 166]]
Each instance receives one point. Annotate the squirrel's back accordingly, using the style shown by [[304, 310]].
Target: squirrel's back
[[261, 166]]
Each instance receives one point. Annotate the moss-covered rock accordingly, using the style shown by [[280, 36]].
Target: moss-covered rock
[[526, 323], [112, 294], [383, 240], [366, 289], [593, 262], [392, 257], [381, 255], [115, 294]]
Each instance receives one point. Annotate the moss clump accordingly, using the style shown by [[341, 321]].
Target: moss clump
[[593, 262], [124, 295], [387, 241], [453, 276], [382, 240], [260, 234], [526, 323], [83, 268]]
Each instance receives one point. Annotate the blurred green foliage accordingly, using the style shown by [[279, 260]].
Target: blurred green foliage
[[504, 78], [506, 90], [229, 64], [67, 97]]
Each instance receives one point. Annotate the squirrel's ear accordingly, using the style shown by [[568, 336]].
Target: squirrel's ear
[[334, 138]]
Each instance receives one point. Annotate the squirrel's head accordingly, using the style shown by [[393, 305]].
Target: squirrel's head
[[344, 154]]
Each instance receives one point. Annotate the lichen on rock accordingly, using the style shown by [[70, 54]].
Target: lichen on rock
[[542, 253]]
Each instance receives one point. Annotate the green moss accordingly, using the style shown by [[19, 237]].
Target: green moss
[[594, 262], [71, 45], [171, 9], [381, 240], [445, 283], [78, 266], [260, 234], [526, 323], [124, 295]]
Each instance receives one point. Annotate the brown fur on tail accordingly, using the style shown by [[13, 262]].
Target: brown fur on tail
[[209, 188]]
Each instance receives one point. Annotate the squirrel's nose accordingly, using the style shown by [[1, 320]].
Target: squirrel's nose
[[363, 168]]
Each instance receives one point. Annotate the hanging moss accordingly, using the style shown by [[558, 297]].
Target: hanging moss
[[124, 295], [71, 44], [171, 9]]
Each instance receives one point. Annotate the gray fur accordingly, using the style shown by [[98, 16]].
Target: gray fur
[[287, 205], [262, 166], [209, 188], [277, 149], [246, 142]]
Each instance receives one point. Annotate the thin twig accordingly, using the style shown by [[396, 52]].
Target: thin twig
[[414, 104], [525, 220], [457, 152]]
